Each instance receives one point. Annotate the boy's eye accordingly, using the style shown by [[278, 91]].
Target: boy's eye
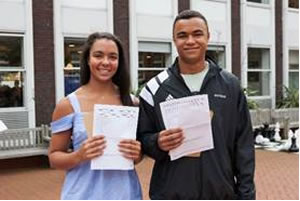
[[198, 34]]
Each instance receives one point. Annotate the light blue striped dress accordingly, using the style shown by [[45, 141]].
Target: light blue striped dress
[[83, 183]]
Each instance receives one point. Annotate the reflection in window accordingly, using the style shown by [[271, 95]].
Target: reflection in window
[[146, 75], [217, 53], [259, 71], [294, 69], [11, 72], [151, 64], [294, 4], [153, 58], [11, 89], [11, 51], [259, 1], [73, 49], [258, 58]]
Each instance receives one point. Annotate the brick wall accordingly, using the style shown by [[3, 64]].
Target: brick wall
[[183, 5], [236, 37], [278, 49], [121, 24], [44, 76]]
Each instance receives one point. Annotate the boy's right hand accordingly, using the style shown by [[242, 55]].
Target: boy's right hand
[[170, 139]]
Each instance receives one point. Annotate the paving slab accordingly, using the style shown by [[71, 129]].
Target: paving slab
[[276, 177]]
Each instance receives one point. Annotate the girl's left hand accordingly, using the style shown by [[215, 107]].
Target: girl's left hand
[[131, 149]]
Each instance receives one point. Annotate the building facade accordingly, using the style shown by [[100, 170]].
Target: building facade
[[40, 46]]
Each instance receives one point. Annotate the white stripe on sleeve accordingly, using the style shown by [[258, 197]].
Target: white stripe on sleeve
[[163, 76], [153, 85], [146, 95]]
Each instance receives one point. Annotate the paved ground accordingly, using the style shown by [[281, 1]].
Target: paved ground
[[277, 178]]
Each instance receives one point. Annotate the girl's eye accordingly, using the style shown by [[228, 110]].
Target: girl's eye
[[98, 55], [113, 57]]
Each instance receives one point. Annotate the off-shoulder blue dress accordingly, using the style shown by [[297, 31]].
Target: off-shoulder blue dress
[[83, 183]]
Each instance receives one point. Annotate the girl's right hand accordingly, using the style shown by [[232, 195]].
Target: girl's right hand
[[91, 148]]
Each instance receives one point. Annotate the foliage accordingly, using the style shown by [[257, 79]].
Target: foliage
[[138, 91], [252, 104], [290, 98]]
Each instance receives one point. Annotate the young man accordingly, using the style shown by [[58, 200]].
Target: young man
[[227, 170]]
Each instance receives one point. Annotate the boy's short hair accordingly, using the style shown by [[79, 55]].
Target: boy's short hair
[[187, 14]]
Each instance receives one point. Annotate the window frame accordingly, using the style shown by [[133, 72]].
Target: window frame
[[259, 3], [22, 69], [75, 69], [292, 70], [218, 48], [292, 8], [153, 68], [260, 70]]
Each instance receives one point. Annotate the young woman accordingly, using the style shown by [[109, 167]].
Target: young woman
[[104, 80]]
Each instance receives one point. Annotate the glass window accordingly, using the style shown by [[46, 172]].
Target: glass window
[[11, 71], [11, 51], [217, 53], [294, 69], [294, 4], [259, 71], [73, 49], [259, 1], [258, 58], [153, 58]]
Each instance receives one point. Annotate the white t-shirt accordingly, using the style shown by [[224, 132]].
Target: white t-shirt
[[194, 81]]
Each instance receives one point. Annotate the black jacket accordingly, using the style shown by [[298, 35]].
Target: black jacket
[[225, 172]]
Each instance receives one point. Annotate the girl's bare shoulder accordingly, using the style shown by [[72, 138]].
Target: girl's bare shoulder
[[62, 108]]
